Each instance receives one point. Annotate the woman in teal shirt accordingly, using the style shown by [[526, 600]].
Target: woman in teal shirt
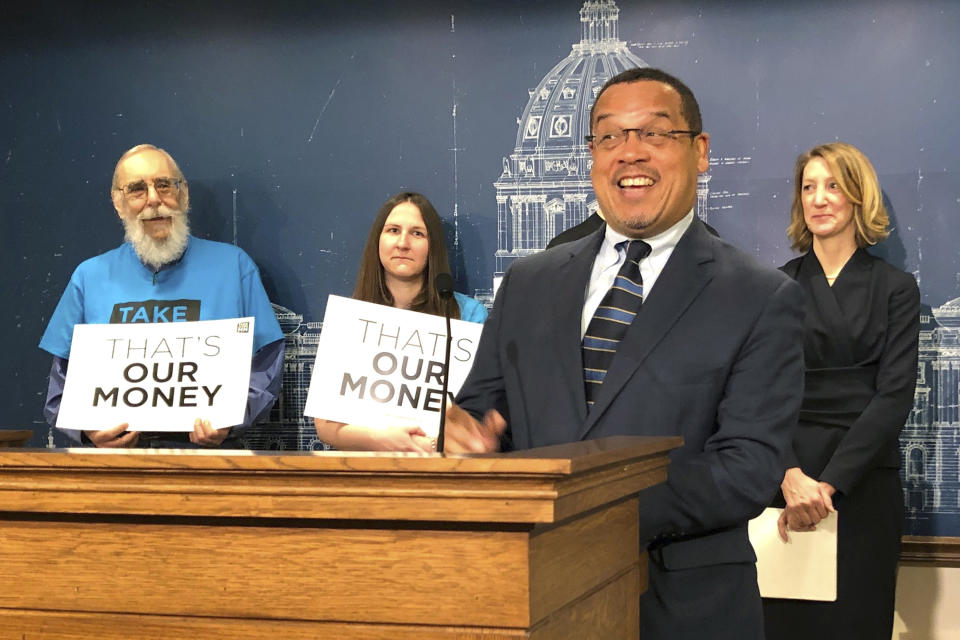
[[403, 255]]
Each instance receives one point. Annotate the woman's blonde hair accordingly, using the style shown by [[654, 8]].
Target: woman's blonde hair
[[858, 182]]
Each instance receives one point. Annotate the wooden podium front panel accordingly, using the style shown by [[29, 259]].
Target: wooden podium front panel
[[349, 575], [610, 613], [570, 561], [37, 625], [98, 580], [464, 578], [539, 544]]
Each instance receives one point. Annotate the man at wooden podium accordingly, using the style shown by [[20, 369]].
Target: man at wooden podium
[[677, 334]]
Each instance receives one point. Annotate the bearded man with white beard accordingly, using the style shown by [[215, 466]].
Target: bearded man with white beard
[[163, 274]]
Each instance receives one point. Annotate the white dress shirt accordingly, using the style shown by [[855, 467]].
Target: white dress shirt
[[609, 259]]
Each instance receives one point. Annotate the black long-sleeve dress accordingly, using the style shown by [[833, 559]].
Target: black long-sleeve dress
[[860, 351]]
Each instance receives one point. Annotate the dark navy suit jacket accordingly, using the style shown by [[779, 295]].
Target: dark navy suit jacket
[[714, 356]]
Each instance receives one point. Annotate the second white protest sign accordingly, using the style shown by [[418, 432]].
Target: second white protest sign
[[379, 366]]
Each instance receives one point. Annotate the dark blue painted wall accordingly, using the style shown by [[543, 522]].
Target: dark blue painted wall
[[293, 121]]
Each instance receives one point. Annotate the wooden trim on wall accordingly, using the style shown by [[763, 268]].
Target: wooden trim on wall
[[940, 550], [14, 437]]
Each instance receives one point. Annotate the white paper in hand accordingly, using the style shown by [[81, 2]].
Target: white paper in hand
[[804, 568]]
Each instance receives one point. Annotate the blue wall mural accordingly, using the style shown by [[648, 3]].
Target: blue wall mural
[[294, 120]]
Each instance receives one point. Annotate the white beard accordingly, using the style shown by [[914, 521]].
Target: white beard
[[156, 253]]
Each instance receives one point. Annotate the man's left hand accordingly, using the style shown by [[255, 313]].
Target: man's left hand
[[465, 434], [204, 434]]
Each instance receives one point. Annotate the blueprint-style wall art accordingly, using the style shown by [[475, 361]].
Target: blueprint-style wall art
[[294, 121]]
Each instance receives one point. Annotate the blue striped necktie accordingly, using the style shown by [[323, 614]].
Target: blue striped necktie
[[611, 319]]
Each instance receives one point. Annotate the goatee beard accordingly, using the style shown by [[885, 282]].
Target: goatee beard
[[156, 253]]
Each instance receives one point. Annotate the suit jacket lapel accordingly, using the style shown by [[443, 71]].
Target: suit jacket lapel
[[686, 273], [571, 279], [824, 315]]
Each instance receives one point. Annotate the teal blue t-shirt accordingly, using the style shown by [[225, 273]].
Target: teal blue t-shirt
[[470, 309], [211, 281]]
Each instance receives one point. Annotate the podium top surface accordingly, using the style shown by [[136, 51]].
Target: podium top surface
[[544, 485], [562, 459]]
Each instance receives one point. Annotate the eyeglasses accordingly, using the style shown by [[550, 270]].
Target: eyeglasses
[[609, 139], [163, 186]]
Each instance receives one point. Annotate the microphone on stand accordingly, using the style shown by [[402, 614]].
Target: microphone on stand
[[444, 284]]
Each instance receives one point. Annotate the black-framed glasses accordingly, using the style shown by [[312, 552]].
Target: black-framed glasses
[[163, 187], [609, 139]]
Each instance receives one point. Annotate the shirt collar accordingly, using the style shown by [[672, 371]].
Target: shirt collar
[[662, 242]]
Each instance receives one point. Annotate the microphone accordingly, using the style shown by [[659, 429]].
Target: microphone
[[444, 284]]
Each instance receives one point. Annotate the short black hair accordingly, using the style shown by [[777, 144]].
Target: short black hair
[[689, 107]]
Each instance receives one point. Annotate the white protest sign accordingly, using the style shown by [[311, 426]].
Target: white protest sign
[[379, 366], [158, 376]]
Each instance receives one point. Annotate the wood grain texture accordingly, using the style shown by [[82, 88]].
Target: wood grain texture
[[567, 561], [609, 613], [35, 625], [938, 550], [236, 545], [372, 575], [14, 437], [330, 485], [576, 457]]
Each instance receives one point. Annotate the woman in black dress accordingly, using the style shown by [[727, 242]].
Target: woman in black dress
[[860, 352]]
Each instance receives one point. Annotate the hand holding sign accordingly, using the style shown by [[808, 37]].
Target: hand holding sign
[[204, 434], [114, 438], [356, 437], [119, 436]]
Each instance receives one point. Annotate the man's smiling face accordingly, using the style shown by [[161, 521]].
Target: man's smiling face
[[644, 189]]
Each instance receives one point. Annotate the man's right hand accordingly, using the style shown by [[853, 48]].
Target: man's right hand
[[115, 437], [465, 434]]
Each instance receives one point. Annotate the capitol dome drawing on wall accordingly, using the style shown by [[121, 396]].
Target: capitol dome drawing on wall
[[545, 184]]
